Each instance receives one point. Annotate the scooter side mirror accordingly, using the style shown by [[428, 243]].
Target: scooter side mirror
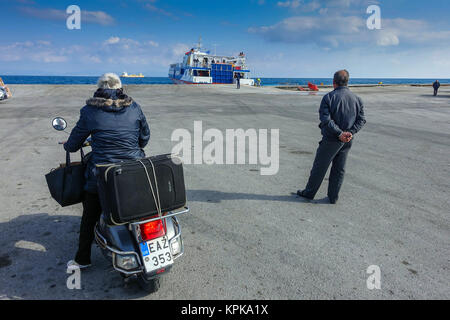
[[59, 124]]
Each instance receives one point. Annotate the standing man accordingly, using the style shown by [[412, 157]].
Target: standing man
[[238, 80], [341, 117], [436, 86]]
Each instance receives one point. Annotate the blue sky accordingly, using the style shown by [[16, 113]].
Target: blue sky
[[286, 38]]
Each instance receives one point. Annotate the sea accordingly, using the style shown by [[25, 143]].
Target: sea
[[70, 80]]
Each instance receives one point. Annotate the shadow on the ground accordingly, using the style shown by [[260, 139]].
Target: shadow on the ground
[[438, 96], [34, 249], [213, 196]]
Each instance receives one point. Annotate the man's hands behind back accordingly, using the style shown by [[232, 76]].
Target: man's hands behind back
[[346, 137]]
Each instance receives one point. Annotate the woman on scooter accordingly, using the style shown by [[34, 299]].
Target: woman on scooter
[[119, 131]]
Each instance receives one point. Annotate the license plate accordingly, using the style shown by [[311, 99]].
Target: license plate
[[156, 254]]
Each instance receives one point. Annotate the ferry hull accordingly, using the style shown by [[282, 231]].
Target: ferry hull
[[178, 81], [248, 82], [194, 80]]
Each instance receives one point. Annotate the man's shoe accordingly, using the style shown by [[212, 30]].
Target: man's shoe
[[333, 201], [73, 265], [301, 193]]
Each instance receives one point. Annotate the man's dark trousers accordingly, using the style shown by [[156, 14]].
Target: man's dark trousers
[[334, 152]]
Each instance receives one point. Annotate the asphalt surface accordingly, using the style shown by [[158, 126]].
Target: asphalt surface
[[246, 237]]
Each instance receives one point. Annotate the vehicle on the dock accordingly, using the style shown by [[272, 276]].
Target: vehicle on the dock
[[126, 75], [145, 247], [201, 67], [5, 92]]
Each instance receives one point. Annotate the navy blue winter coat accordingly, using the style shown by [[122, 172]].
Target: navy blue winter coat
[[118, 128]]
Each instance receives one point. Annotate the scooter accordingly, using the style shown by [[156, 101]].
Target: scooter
[[144, 249]]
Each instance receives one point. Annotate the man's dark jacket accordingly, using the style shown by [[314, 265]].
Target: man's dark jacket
[[341, 111], [118, 128], [436, 85]]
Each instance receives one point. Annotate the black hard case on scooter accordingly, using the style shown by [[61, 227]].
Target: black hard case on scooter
[[125, 193]]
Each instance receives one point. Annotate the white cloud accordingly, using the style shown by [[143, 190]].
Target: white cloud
[[153, 8], [289, 4], [112, 40], [326, 31], [97, 17], [48, 57], [323, 5], [115, 54], [387, 39], [300, 5], [44, 42], [329, 30], [415, 31], [37, 51], [92, 58], [180, 49]]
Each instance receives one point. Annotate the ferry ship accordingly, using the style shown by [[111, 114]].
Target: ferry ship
[[201, 67], [126, 75]]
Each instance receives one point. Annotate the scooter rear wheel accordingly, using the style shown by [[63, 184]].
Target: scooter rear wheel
[[149, 286]]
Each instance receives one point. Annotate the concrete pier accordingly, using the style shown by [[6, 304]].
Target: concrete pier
[[246, 237]]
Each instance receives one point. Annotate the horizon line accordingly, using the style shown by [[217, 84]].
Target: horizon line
[[315, 77]]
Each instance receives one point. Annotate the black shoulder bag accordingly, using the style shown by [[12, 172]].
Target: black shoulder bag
[[66, 183]]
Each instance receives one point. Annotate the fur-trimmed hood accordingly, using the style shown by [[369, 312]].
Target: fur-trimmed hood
[[114, 103], [110, 100]]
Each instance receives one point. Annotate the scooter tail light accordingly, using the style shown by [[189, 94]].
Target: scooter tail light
[[152, 230]]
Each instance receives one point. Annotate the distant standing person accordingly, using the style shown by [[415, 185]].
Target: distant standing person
[[341, 117], [238, 80], [436, 86]]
